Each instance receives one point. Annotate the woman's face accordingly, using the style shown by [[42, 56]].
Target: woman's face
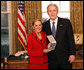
[[37, 26]]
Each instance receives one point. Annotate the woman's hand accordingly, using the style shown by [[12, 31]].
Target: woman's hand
[[48, 46], [46, 50]]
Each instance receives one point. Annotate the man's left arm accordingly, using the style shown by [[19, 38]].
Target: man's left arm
[[70, 36]]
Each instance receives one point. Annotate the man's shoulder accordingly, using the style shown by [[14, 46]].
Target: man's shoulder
[[45, 22], [63, 19]]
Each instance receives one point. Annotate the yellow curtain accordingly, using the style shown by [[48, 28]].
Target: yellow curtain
[[76, 16], [32, 11]]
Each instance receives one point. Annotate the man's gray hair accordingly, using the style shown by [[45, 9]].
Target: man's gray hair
[[52, 5]]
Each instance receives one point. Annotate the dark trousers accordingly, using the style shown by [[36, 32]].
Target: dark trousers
[[54, 64], [51, 66]]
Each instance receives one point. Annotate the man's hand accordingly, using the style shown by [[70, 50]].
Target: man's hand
[[72, 58]]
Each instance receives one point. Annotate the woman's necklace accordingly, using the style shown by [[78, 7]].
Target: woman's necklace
[[39, 36]]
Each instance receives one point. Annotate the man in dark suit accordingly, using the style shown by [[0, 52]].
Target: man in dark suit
[[64, 53]]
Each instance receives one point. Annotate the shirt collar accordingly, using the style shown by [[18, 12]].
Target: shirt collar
[[51, 21]]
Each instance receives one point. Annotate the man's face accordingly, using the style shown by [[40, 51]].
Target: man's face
[[52, 12]]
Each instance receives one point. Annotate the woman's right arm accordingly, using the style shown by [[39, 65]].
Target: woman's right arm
[[47, 50]]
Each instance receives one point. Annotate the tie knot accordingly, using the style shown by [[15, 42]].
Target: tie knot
[[53, 22]]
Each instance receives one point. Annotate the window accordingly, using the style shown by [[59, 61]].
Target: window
[[63, 8], [5, 15]]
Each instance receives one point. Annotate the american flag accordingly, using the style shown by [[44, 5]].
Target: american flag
[[22, 32]]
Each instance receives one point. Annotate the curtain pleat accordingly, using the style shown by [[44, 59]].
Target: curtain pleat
[[76, 16]]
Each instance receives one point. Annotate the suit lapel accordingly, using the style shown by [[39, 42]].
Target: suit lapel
[[49, 28], [58, 24], [43, 37], [37, 39]]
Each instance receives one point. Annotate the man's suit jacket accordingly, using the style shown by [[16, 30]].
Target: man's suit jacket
[[65, 41]]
